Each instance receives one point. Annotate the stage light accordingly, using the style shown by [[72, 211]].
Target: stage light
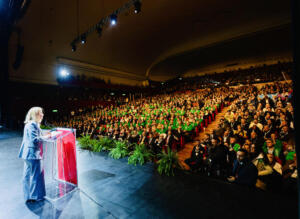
[[123, 94], [64, 73], [180, 79], [83, 39], [55, 111], [73, 47], [112, 93], [137, 7], [113, 19], [99, 31]]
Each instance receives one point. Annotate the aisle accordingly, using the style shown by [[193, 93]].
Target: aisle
[[186, 152]]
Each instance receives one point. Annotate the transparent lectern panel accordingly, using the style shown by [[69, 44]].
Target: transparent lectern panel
[[49, 161], [58, 189], [59, 163]]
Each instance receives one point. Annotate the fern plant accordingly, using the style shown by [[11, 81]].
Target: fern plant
[[85, 142], [121, 150], [97, 146], [167, 163], [140, 155], [106, 143]]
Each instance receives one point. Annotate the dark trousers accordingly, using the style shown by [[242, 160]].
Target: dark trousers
[[33, 180], [193, 164]]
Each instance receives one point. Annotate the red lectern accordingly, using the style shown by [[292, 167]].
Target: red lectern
[[59, 163]]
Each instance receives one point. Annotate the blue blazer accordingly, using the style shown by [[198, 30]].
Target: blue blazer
[[32, 142], [246, 173]]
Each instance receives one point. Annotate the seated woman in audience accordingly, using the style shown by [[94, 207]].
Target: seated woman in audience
[[267, 171], [198, 154], [276, 149]]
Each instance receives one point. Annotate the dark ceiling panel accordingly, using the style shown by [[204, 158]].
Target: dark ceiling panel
[[272, 41]]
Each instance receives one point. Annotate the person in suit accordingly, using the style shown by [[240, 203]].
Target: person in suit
[[244, 171], [169, 139], [30, 152], [216, 162]]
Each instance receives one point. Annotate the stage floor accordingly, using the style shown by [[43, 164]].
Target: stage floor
[[111, 188]]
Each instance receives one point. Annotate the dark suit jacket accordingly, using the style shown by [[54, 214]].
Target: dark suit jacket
[[245, 173], [171, 140]]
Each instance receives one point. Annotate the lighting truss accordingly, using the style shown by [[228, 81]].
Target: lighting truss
[[103, 21]]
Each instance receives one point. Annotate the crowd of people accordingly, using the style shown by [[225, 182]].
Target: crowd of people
[[259, 74], [253, 144], [158, 121], [254, 141]]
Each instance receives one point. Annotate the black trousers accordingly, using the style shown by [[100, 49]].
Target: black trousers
[[194, 164]]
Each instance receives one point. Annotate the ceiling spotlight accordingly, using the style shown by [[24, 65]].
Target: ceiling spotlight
[[180, 78], [99, 30], [64, 73], [83, 39], [113, 19], [137, 7], [73, 47]]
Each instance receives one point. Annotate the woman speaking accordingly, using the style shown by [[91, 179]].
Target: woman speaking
[[31, 152]]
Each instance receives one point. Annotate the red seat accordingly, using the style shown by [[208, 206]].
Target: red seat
[[181, 142], [197, 130]]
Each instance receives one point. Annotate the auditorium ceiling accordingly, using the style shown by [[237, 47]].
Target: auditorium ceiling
[[167, 39]]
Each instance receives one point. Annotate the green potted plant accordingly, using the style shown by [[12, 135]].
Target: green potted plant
[[140, 155], [167, 163], [96, 145], [106, 143], [120, 150], [85, 142]]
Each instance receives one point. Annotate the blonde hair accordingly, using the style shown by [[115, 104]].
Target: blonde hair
[[32, 114]]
